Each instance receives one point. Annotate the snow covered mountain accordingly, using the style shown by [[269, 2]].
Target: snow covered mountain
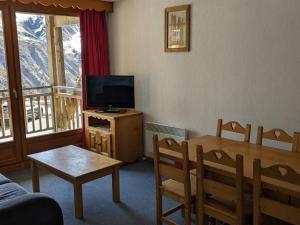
[[33, 52]]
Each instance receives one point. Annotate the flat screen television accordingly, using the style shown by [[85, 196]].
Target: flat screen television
[[110, 92]]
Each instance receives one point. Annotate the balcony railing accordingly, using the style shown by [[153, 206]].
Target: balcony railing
[[6, 131], [38, 109], [68, 107], [46, 110]]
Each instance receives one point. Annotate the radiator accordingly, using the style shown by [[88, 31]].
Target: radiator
[[162, 131]]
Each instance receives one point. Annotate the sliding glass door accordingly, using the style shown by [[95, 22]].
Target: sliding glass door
[[40, 81], [10, 122], [6, 128], [49, 55]]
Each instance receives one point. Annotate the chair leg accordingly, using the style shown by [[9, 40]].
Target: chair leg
[[158, 208], [187, 214]]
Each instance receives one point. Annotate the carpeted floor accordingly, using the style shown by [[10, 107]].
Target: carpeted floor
[[137, 205]]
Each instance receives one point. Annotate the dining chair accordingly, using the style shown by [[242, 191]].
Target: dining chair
[[235, 127], [279, 135], [215, 198], [283, 179], [171, 181]]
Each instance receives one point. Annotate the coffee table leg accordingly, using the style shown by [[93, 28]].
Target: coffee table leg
[[35, 177], [116, 184], [78, 200]]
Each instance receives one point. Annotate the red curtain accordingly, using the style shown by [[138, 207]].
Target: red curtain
[[94, 46], [94, 49]]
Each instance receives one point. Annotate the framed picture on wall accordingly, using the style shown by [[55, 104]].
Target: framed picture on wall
[[177, 28]]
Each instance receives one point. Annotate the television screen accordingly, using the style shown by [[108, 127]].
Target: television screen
[[113, 91]]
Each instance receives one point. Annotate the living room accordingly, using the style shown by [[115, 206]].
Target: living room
[[239, 62]]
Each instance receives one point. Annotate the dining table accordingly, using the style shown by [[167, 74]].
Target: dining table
[[276, 189], [268, 155]]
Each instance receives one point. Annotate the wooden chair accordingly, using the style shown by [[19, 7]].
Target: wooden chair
[[223, 201], [279, 135], [176, 183], [265, 205], [235, 127], [100, 142]]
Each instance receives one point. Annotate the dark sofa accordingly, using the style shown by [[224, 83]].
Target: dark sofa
[[19, 207]]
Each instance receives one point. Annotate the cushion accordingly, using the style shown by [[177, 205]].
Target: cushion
[[10, 191], [3, 179]]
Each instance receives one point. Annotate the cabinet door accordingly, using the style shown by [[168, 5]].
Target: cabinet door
[[100, 142]]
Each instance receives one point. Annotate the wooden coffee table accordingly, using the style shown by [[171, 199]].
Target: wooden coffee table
[[77, 166]]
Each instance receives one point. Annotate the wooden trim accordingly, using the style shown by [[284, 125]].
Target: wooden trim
[[9, 35], [54, 135], [42, 143], [20, 119], [14, 167], [51, 141], [40, 9], [75, 4]]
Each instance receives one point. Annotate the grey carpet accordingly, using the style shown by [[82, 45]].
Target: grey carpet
[[137, 205]]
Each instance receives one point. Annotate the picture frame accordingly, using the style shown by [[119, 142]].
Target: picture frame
[[177, 28]]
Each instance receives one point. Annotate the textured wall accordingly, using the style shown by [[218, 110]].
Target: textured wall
[[244, 62]]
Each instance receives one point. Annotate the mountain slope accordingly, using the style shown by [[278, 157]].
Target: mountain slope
[[33, 52]]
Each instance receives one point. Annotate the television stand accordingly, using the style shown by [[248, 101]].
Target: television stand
[[119, 135]]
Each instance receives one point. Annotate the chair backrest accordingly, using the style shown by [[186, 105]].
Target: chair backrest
[[208, 185], [266, 204], [280, 136], [167, 152], [235, 127]]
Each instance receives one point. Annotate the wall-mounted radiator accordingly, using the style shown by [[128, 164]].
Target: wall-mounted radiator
[[162, 131]]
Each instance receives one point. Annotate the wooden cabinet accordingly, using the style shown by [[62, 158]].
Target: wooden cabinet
[[119, 135]]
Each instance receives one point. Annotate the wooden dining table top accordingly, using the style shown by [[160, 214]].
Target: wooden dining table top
[[268, 155]]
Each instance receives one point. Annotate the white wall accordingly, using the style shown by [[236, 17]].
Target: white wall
[[244, 62]]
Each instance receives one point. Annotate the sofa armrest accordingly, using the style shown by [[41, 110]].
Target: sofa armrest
[[31, 209]]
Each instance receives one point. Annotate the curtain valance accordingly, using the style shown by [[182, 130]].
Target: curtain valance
[[97, 5]]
